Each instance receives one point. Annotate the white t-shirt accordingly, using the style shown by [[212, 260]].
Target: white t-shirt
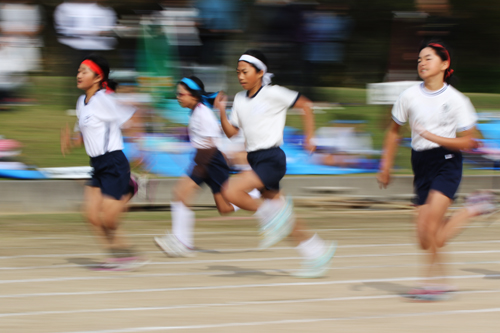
[[262, 117], [100, 121], [203, 126], [85, 26], [443, 112]]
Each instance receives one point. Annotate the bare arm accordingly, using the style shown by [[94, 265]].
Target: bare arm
[[390, 147], [220, 103], [465, 141], [68, 141], [306, 105]]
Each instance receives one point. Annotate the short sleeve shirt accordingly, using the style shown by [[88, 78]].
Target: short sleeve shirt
[[262, 116], [203, 124], [443, 112], [100, 122]]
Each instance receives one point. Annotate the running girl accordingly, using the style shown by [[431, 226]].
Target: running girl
[[100, 119], [436, 112], [209, 166], [260, 112]]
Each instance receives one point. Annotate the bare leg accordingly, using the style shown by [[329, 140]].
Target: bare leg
[[223, 206], [429, 220], [92, 212], [111, 213], [236, 190], [454, 226]]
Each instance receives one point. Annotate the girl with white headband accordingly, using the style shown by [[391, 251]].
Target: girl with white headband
[[99, 128], [208, 166], [260, 112]]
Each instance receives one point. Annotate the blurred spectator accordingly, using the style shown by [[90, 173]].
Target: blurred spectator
[[20, 42], [326, 31], [218, 18], [84, 26]]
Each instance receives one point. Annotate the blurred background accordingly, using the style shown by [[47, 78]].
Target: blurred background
[[351, 57]]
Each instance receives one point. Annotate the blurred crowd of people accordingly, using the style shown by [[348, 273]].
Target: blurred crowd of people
[[51, 37]]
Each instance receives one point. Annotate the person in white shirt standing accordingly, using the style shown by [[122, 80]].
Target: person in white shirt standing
[[100, 118], [436, 112], [209, 166], [260, 112]]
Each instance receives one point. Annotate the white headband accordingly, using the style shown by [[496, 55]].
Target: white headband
[[266, 79]]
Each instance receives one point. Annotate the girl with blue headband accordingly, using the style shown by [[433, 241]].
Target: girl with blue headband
[[209, 166]]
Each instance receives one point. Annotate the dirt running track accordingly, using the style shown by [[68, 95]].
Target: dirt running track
[[46, 285]]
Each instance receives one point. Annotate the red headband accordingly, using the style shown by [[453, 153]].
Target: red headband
[[96, 69], [450, 71]]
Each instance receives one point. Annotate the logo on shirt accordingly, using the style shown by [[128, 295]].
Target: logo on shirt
[[445, 118], [87, 118]]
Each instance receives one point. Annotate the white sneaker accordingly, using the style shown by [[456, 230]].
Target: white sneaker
[[318, 267], [278, 224], [173, 247], [481, 202]]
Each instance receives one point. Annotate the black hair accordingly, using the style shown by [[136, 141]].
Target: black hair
[[442, 52], [259, 55], [197, 93], [104, 66]]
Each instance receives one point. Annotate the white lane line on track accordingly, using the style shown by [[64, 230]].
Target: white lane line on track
[[243, 249], [246, 286], [208, 261], [209, 305], [294, 321], [255, 231], [219, 273]]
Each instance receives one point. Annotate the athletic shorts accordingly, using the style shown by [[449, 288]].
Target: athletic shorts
[[209, 167], [437, 169], [111, 174], [269, 165]]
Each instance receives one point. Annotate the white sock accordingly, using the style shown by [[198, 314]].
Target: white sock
[[182, 223], [253, 193], [268, 209], [236, 208], [312, 248]]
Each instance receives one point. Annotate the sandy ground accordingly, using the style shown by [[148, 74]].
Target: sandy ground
[[230, 286]]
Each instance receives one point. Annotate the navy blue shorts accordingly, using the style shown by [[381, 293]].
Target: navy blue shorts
[[269, 165], [111, 174], [437, 169], [210, 167]]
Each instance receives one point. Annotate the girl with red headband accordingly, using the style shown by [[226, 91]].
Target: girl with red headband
[[100, 119], [436, 112]]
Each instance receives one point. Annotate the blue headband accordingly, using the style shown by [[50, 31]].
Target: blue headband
[[190, 83], [204, 97]]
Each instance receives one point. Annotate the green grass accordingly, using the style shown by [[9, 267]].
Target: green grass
[[38, 127]]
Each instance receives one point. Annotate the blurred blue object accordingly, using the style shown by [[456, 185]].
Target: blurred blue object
[[21, 174], [171, 110]]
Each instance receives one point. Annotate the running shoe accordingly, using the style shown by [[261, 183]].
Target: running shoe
[[278, 224], [481, 202], [318, 267], [173, 247], [133, 185], [428, 295], [121, 264]]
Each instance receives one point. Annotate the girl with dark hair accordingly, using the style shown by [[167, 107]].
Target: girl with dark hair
[[100, 118], [260, 112], [209, 166], [436, 112]]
